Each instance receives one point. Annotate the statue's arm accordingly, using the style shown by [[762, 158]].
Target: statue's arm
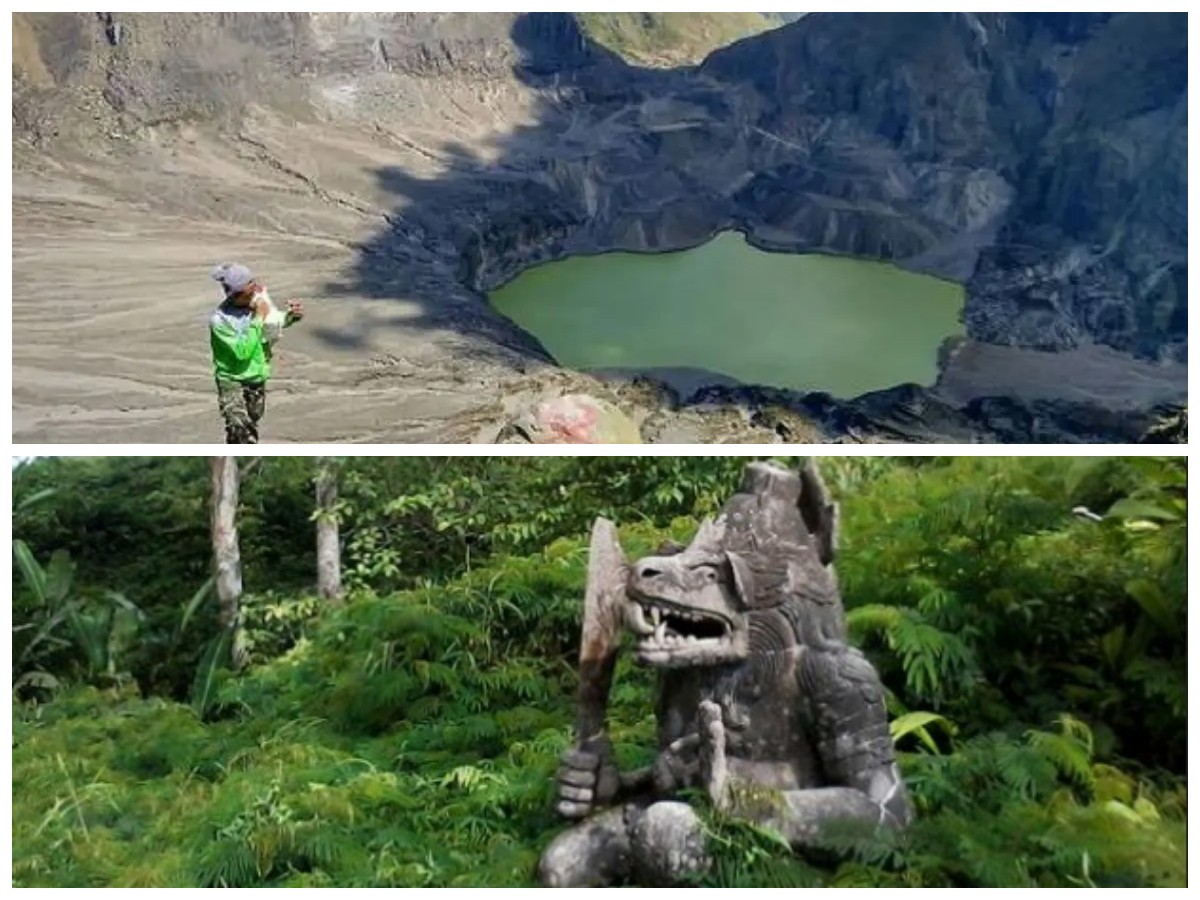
[[588, 779], [848, 716], [844, 705]]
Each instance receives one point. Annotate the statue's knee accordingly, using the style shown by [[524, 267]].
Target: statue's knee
[[668, 844], [595, 853]]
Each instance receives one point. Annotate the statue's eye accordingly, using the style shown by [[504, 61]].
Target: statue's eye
[[709, 573]]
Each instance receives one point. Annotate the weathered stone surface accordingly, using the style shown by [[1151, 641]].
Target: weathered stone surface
[[594, 854], [571, 419], [667, 845], [762, 704]]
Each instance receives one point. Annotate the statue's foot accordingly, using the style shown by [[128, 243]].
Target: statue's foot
[[595, 853], [660, 845], [668, 845]]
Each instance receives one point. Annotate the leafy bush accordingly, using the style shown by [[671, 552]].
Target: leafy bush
[[994, 601]]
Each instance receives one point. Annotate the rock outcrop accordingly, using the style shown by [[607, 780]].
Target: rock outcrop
[[571, 419]]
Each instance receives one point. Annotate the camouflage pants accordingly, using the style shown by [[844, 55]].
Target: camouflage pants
[[241, 405]]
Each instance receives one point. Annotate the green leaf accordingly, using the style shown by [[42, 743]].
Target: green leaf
[[123, 626], [120, 601], [31, 571], [216, 656], [1079, 470], [192, 605], [34, 498], [59, 575], [1068, 753], [1132, 508], [1163, 472], [44, 635], [1112, 646], [916, 723], [1153, 602], [90, 631], [1077, 730]]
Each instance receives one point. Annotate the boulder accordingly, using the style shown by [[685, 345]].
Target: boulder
[[668, 845], [570, 419]]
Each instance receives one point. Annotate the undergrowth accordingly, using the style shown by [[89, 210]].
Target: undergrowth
[[410, 738]]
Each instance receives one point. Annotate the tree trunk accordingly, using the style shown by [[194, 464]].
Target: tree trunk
[[227, 559], [329, 555]]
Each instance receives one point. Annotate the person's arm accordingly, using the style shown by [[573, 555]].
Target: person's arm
[[295, 312]]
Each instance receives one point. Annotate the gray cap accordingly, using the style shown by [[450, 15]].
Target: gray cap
[[234, 277]]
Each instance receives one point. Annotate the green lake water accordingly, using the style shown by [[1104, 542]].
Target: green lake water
[[804, 321]]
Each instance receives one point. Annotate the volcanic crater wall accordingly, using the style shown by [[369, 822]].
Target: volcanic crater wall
[[1038, 158]]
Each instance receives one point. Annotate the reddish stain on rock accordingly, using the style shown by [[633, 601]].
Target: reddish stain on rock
[[574, 419], [569, 420]]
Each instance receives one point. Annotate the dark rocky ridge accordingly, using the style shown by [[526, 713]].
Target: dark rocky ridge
[[1038, 158]]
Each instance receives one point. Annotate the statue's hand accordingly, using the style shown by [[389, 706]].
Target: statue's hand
[[714, 766], [677, 766], [587, 779]]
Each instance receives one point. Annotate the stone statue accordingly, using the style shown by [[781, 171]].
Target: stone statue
[[762, 703]]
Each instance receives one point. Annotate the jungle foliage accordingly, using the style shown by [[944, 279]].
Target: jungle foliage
[[1035, 660]]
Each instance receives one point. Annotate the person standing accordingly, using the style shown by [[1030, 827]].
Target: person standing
[[241, 331]]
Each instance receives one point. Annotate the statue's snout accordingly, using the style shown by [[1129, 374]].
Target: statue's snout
[[654, 576]]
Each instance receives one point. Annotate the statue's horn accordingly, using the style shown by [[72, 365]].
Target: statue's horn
[[710, 535], [819, 511]]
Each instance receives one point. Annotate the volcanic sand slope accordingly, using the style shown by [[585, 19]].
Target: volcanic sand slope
[[389, 168], [120, 241], [120, 351]]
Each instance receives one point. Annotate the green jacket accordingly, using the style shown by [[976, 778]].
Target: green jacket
[[239, 348]]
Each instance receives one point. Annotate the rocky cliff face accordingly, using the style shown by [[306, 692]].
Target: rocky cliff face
[[1040, 159]]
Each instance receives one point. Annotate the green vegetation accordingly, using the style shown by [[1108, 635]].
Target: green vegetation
[[671, 39], [1035, 659]]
